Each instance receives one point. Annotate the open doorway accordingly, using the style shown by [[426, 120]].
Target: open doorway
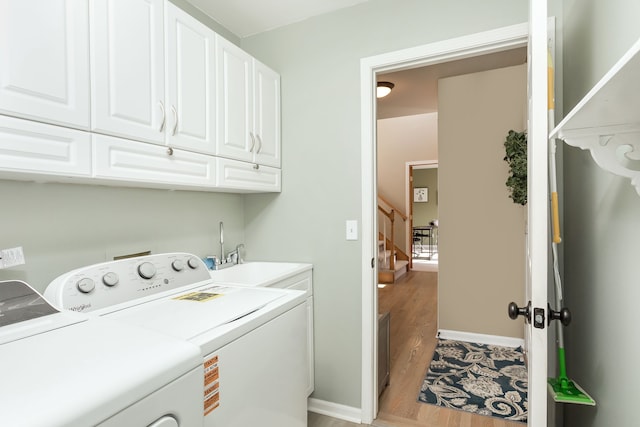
[[468, 47], [422, 193]]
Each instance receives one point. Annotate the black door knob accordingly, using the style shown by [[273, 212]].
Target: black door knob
[[564, 315], [515, 311]]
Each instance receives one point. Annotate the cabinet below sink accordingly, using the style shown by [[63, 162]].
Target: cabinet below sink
[[286, 275]]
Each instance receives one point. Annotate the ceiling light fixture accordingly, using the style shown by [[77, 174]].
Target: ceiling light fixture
[[383, 89]]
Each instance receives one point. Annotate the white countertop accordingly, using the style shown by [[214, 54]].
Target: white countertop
[[259, 273]]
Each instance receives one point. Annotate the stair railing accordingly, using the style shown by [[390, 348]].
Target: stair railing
[[391, 217], [389, 211]]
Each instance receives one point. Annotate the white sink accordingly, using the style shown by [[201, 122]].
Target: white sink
[[258, 273]]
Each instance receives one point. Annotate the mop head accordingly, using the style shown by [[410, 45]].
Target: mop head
[[568, 392]]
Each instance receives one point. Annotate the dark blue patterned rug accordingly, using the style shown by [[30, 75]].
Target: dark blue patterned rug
[[483, 379]]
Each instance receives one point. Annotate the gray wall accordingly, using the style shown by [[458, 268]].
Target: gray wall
[[319, 61], [64, 226], [602, 231]]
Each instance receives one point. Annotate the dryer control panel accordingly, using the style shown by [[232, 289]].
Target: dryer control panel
[[113, 285]]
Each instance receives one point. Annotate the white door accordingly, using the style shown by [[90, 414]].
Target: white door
[[127, 69], [537, 211], [44, 65], [235, 109], [191, 82], [267, 115]]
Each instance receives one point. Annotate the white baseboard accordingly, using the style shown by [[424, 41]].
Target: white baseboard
[[335, 410], [446, 334]]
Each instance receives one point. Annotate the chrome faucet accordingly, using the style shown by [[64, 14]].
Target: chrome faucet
[[232, 257], [222, 257]]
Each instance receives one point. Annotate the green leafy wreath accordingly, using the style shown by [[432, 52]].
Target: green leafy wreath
[[515, 147]]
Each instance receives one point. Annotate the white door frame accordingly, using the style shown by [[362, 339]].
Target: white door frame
[[462, 47]]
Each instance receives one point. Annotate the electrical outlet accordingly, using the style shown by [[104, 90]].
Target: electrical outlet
[[11, 257]]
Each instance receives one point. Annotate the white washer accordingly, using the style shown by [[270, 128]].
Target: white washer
[[252, 340], [65, 369]]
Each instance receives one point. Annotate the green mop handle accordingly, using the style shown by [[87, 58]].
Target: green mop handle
[[562, 370]]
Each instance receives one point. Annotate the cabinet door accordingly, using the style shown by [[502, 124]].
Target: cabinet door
[[127, 68], [247, 177], [44, 65], [235, 108], [151, 165], [191, 88], [267, 115], [29, 148]]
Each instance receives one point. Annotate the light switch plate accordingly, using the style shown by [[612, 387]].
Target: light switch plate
[[352, 229], [11, 257]]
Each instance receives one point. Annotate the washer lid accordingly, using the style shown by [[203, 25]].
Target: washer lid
[[24, 313], [194, 312], [20, 302]]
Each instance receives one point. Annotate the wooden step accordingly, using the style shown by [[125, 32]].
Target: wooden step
[[389, 276]]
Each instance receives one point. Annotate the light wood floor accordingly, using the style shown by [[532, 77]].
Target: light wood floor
[[412, 302]]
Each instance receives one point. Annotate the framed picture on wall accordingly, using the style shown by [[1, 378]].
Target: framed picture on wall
[[421, 194]]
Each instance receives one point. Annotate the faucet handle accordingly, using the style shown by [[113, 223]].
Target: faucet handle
[[233, 257], [239, 259]]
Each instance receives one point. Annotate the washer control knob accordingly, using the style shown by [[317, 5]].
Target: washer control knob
[[85, 285], [110, 279], [146, 270], [177, 265], [194, 263]]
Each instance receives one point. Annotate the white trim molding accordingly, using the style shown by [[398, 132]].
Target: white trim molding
[[472, 337], [335, 410], [483, 43]]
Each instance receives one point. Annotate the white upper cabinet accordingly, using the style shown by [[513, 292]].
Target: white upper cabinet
[[191, 82], [161, 95], [44, 60], [153, 69], [127, 69], [29, 149], [235, 102], [248, 107], [266, 115], [247, 177], [139, 164]]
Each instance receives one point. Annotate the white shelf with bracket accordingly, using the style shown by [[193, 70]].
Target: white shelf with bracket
[[607, 120]]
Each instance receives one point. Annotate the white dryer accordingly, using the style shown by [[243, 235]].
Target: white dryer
[[66, 369], [252, 340]]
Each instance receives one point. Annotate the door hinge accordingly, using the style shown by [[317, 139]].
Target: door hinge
[[539, 318]]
